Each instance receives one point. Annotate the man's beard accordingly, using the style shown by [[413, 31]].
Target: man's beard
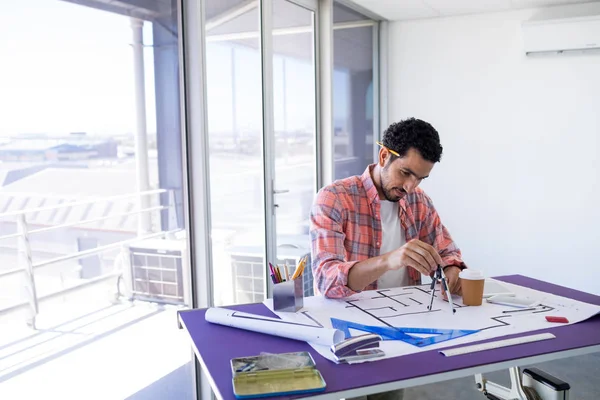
[[390, 194]]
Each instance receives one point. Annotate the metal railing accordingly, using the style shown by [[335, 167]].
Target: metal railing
[[28, 267]]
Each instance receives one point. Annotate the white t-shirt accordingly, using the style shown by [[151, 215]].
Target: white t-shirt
[[392, 238]]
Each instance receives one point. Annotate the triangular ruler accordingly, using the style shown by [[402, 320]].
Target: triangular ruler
[[403, 334]]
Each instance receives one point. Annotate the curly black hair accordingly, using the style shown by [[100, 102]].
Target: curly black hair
[[413, 133]]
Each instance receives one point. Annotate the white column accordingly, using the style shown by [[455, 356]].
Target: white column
[[141, 136], [325, 77]]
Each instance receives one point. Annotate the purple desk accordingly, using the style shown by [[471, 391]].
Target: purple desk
[[215, 345]]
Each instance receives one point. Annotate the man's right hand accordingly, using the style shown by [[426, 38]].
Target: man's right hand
[[419, 255]]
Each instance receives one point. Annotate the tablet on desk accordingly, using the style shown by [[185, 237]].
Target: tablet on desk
[[495, 288]]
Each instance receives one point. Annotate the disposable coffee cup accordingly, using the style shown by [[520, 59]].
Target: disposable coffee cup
[[472, 282]]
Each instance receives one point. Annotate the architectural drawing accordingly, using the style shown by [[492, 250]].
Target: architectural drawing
[[418, 329]]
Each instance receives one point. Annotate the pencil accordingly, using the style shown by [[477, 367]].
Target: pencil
[[273, 273], [271, 268], [297, 271], [287, 273], [302, 269], [299, 268]]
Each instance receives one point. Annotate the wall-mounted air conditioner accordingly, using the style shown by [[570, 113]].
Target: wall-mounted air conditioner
[[562, 35]]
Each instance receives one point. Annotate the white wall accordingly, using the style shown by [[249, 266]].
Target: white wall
[[519, 182]]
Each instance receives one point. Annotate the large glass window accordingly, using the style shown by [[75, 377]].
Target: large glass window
[[237, 141], [353, 104], [294, 113], [92, 235], [234, 103]]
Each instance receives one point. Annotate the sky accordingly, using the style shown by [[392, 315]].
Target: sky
[[66, 68], [69, 68]]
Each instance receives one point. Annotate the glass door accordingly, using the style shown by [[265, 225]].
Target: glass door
[[235, 136], [293, 136], [260, 66]]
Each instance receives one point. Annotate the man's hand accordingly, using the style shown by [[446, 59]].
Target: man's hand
[[419, 255], [453, 281], [414, 274]]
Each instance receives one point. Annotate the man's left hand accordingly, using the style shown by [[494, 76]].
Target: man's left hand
[[453, 280]]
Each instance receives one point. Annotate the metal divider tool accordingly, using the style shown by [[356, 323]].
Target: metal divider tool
[[439, 276]]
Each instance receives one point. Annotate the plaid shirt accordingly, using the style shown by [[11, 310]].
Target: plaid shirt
[[345, 228]]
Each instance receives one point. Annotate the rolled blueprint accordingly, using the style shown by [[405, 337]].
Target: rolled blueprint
[[274, 326]]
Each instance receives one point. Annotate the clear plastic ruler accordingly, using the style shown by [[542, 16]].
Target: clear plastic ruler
[[499, 343]]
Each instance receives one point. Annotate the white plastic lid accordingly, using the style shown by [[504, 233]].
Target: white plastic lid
[[471, 274]]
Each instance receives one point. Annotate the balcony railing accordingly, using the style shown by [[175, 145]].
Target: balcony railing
[[28, 267]]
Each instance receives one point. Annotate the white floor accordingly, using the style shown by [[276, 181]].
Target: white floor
[[110, 351]]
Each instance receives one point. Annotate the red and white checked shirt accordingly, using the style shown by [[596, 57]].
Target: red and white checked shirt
[[345, 228]]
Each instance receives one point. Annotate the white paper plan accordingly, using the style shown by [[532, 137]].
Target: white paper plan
[[403, 314], [311, 333]]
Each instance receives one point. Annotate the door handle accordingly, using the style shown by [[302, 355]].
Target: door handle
[[281, 191]]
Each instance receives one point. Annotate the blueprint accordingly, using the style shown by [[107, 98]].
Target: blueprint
[[401, 316], [310, 332]]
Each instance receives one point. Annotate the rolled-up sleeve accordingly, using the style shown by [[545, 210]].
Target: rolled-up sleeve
[[329, 265], [435, 233]]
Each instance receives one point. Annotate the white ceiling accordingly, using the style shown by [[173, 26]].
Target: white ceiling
[[414, 9]]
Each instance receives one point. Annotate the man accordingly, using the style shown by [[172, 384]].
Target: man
[[379, 230]]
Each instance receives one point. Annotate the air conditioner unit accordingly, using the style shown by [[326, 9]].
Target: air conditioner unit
[[158, 271], [562, 35]]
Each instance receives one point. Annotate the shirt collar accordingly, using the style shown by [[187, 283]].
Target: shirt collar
[[369, 185]]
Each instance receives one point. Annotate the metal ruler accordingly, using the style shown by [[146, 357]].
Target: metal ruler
[[494, 345]]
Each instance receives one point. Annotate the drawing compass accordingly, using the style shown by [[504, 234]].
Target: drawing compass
[[438, 276]]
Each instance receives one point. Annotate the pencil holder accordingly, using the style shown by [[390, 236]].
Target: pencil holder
[[288, 296]]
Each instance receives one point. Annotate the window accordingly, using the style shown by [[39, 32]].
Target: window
[[234, 108], [353, 52], [91, 182]]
